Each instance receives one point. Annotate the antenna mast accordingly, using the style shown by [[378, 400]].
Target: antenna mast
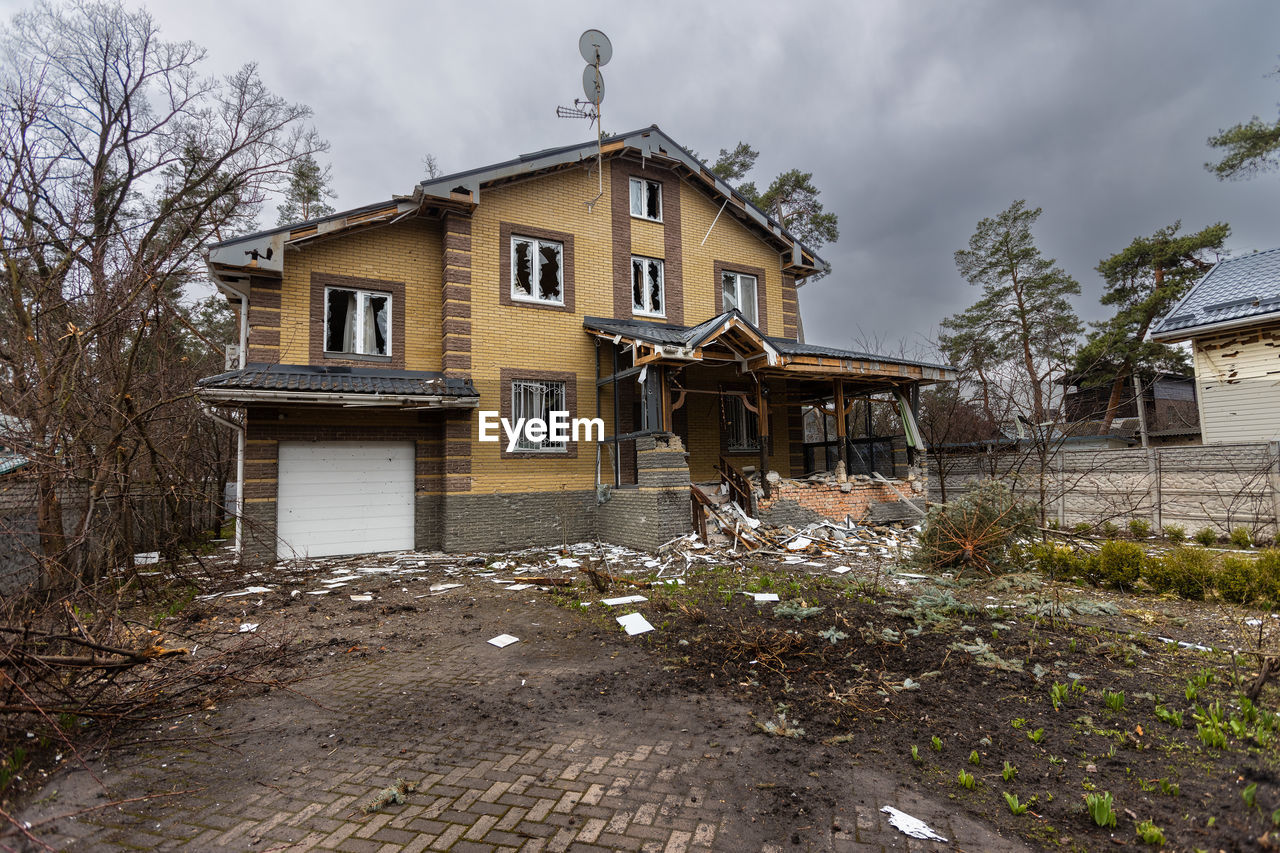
[[597, 51]]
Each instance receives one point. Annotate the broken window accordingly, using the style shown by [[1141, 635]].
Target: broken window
[[537, 273], [740, 293], [357, 322], [647, 295], [741, 425], [646, 199], [537, 399]]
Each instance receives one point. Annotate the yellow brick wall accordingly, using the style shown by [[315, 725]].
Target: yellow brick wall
[[729, 241], [410, 252]]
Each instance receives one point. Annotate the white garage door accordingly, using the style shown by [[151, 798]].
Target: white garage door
[[344, 497]]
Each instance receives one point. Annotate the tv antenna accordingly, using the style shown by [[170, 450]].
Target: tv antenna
[[597, 51]]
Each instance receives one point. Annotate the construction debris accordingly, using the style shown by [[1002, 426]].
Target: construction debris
[[395, 794], [634, 623], [503, 640], [912, 826]]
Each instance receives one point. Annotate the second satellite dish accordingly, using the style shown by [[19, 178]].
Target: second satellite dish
[[593, 84], [595, 47]]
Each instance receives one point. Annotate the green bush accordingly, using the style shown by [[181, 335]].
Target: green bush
[[1082, 527], [1139, 528], [1175, 533], [1058, 561], [977, 531], [1268, 569], [1206, 536], [1119, 563], [1109, 529], [1237, 580], [1186, 572], [1241, 538]]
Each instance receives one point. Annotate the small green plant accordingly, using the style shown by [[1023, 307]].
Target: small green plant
[[1275, 817], [1018, 722], [974, 759], [1139, 528], [1175, 533], [1250, 796], [1192, 691], [795, 608], [1241, 538], [1117, 563], [1058, 694], [1186, 572], [1238, 580], [937, 743], [1009, 771], [1082, 527], [1172, 789], [1072, 645], [1056, 761], [915, 754], [1036, 736], [12, 766], [1150, 833], [1206, 536], [833, 636], [1114, 700], [1110, 529], [966, 780], [1212, 736], [1014, 806], [1173, 718], [1100, 808]]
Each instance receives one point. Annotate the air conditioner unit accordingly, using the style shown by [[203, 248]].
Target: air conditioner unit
[[232, 358]]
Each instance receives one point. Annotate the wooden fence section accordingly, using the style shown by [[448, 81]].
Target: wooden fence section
[[1221, 486]]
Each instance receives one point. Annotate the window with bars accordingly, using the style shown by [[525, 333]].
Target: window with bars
[[647, 296], [741, 425], [537, 270], [646, 199], [357, 322], [740, 292], [537, 399]]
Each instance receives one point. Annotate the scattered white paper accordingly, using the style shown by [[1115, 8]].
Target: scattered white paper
[[568, 563], [503, 640], [912, 826], [764, 596], [442, 587], [812, 563], [253, 590], [248, 627], [798, 544], [626, 599], [362, 598], [317, 592], [519, 587], [634, 623], [840, 570]]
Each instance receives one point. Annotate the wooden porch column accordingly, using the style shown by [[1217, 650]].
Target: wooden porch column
[[762, 404], [842, 426], [667, 424]]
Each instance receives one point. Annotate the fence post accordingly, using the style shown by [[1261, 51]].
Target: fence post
[[1062, 490], [1157, 504]]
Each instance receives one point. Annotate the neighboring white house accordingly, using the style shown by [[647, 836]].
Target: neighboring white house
[[1232, 319]]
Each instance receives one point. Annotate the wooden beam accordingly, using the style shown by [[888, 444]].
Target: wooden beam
[[763, 420], [842, 429]]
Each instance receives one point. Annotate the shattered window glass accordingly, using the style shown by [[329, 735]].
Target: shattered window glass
[[740, 293], [646, 199], [647, 286], [546, 284], [537, 399], [357, 322]]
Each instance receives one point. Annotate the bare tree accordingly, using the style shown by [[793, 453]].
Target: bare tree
[[118, 160]]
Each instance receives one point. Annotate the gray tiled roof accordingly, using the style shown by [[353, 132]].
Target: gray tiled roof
[[340, 380], [1235, 289], [669, 333]]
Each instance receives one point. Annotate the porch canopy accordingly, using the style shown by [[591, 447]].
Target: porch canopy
[[338, 385], [807, 375]]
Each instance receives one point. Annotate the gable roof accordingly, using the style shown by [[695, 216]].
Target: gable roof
[[263, 251], [1236, 292]]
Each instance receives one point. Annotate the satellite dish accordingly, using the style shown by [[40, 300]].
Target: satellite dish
[[593, 84], [595, 47]]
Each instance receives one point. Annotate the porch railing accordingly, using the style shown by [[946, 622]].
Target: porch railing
[[739, 488]]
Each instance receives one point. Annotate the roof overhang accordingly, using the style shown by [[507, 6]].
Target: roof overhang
[[1187, 333], [242, 396]]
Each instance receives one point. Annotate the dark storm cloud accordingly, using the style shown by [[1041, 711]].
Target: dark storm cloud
[[917, 119]]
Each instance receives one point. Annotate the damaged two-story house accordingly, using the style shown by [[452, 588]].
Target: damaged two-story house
[[618, 287]]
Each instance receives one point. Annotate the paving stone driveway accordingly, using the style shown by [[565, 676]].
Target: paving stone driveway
[[545, 745]]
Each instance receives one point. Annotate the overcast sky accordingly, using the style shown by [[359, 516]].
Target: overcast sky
[[917, 119]]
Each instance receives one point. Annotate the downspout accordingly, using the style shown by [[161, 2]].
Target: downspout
[[239, 428]]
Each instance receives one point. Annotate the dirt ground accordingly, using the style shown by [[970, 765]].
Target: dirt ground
[[799, 728]]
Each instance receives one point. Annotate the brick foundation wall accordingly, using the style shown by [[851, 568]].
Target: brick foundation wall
[[799, 502], [501, 522], [657, 509]]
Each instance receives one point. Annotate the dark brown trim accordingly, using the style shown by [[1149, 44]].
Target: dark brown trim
[[394, 289], [620, 173], [507, 230], [790, 308], [507, 375], [722, 267]]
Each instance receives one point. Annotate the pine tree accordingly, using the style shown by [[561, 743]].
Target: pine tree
[[308, 189]]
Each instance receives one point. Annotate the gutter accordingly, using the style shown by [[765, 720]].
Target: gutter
[[1189, 332], [239, 428], [404, 400]]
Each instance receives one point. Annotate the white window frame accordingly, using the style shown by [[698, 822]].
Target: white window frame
[[639, 208], [549, 390], [740, 438], [518, 295], [645, 307], [754, 315], [362, 305]]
